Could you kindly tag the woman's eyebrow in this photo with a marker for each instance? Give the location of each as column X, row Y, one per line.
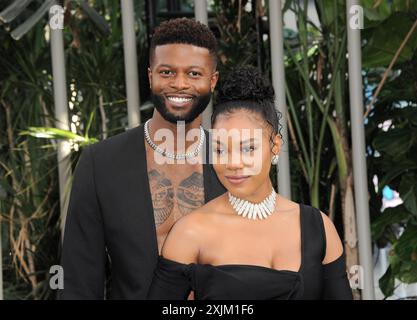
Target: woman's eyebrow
column 248, row 140
column 218, row 142
column 242, row 142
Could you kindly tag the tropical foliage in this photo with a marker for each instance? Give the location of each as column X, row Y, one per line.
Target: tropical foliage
column 29, row 207
column 317, row 99
column 391, row 132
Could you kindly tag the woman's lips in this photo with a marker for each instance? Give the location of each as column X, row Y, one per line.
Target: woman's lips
column 237, row 179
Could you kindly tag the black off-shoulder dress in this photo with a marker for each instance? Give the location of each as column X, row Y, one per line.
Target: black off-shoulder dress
column 174, row 281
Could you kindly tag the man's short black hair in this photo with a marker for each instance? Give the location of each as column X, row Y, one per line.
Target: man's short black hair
column 186, row 31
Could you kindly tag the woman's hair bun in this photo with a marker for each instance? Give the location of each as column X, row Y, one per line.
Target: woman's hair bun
column 245, row 83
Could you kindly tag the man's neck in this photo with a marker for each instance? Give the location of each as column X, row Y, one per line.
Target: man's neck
column 158, row 122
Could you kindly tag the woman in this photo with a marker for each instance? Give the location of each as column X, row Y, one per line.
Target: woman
column 250, row 243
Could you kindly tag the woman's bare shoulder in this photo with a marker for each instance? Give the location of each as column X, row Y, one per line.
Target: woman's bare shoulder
column 185, row 237
column 334, row 245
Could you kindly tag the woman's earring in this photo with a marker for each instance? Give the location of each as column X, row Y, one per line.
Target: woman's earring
column 275, row 159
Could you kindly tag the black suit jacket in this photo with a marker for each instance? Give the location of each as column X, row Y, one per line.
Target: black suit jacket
column 110, row 211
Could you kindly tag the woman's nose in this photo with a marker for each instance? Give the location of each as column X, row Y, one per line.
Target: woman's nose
column 234, row 161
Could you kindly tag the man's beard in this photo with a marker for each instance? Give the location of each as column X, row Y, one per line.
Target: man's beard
column 200, row 103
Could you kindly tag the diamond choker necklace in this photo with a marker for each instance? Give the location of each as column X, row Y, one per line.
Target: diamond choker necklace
column 176, row 156
column 251, row 210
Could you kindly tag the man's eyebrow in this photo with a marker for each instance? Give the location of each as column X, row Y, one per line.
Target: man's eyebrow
column 163, row 65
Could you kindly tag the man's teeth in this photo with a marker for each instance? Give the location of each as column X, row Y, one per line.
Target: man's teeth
column 179, row 99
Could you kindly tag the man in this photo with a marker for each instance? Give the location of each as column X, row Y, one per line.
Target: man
column 123, row 201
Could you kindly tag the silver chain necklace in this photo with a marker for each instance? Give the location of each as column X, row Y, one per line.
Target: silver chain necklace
column 176, row 156
column 251, row 210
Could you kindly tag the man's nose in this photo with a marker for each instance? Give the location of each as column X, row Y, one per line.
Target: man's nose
column 180, row 82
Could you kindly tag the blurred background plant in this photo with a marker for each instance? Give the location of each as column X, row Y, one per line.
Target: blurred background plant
column 317, row 99
column 390, row 64
column 28, row 167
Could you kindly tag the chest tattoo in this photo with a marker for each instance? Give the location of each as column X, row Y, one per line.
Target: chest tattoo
column 188, row 195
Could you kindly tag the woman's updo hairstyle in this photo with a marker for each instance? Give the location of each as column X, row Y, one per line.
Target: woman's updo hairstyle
column 246, row 88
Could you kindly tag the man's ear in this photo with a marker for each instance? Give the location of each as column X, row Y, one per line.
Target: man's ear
column 150, row 77
column 213, row 80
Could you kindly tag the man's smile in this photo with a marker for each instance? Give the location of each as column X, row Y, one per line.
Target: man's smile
column 179, row 100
